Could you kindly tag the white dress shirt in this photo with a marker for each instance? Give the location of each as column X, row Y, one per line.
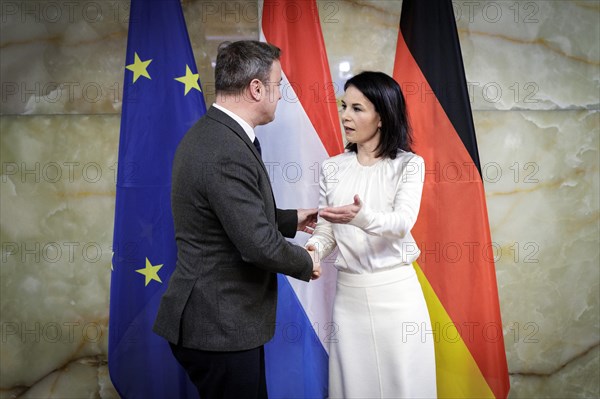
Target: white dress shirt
column 245, row 125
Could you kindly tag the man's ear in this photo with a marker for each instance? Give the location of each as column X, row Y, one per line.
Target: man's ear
column 256, row 89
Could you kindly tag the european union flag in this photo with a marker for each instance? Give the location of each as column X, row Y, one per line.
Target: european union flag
column 162, row 98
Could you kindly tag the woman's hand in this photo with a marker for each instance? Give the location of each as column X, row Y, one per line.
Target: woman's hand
column 342, row 214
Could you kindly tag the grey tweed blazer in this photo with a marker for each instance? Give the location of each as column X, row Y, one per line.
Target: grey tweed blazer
column 222, row 295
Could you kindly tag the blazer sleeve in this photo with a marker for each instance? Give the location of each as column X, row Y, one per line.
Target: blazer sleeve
column 239, row 203
column 287, row 222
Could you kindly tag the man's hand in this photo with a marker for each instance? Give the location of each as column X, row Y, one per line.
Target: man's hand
column 316, row 273
column 307, row 220
column 342, row 214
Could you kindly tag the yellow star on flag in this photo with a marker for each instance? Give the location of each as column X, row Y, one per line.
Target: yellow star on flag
column 190, row 80
column 150, row 272
column 139, row 68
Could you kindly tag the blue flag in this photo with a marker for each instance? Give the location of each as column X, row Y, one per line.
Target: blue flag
column 162, row 99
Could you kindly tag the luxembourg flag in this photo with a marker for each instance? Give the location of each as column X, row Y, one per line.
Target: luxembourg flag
column 306, row 131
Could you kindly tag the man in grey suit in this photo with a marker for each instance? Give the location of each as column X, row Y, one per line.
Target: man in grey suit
column 219, row 308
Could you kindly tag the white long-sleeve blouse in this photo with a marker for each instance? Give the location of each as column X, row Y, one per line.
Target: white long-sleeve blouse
column 379, row 235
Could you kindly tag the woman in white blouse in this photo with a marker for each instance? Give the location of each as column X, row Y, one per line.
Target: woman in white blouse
column 369, row 202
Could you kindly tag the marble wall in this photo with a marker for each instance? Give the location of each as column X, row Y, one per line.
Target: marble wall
column 533, row 69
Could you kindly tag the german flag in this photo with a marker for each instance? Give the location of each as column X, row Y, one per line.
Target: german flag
column 456, row 266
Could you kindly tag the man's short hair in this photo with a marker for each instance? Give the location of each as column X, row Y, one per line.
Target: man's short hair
column 238, row 63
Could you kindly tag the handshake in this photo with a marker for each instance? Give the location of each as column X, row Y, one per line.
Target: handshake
column 312, row 251
column 307, row 221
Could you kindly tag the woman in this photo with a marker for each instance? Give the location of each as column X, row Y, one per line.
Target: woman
column 369, row 201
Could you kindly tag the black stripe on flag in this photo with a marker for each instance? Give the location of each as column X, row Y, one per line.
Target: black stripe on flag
column 429, row 29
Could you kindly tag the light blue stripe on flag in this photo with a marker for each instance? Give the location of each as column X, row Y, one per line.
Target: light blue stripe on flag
column 297, row 365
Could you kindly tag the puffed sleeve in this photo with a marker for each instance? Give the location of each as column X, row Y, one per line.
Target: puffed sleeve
column 323, row 238
column 407, row 200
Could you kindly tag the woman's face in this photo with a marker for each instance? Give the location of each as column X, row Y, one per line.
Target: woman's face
column 361, row 121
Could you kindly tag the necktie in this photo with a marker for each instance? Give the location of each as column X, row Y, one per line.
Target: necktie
column 257, row 145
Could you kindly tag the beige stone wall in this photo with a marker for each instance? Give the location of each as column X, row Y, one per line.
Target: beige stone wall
column 533, row 69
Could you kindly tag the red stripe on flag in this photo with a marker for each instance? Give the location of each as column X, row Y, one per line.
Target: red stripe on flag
column 294, row 27
column 452, row 229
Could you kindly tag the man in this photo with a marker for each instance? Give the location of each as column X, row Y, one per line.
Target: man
column 219, row 308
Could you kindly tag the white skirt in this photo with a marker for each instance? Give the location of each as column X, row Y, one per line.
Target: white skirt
column 384, row 346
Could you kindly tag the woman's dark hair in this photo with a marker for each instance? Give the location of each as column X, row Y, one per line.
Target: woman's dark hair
column 386, row 95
